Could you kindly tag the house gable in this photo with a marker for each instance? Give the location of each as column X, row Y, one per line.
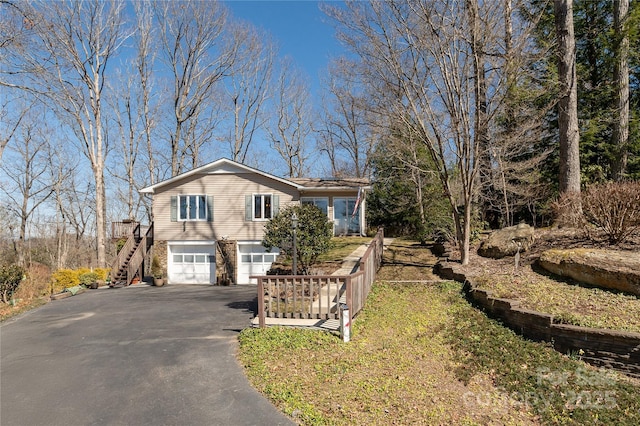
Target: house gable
column 222, row 166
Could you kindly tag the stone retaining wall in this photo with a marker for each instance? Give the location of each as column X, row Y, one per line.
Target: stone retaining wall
column 618, row 350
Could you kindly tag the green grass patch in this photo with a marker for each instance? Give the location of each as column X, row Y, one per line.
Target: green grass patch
column 342, row 247
column 561, row 389
column 422, row 355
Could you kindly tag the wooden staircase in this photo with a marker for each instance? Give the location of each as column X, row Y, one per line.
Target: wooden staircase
column 129, row 262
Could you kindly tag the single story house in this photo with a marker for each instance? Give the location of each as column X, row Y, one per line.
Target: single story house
column 208, row 223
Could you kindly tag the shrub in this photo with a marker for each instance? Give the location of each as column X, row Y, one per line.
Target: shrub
column 313, row 234
column 156, row 268
column 614, row 207
column 119, row 244
column 103, row 273
column 567, row 212
column 10, row 278
column 87, row 278
column 37, row 283
column 64, row 278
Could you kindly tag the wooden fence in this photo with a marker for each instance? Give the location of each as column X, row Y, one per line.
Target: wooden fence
column 319, row 297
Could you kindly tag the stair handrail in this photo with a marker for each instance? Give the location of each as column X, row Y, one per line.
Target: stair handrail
column 138, row 256
column 124, row 251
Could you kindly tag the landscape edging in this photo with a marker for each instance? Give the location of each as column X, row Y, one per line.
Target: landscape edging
column 618, row 350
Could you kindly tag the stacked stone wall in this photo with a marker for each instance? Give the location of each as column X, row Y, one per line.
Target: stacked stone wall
column 618, row 350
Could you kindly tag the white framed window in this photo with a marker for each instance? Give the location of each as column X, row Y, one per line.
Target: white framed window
column 192, row 207
column 320, row 202
column 262, row 206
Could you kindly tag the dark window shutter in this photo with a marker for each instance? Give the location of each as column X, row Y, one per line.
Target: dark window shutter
column 174, row 208
column 209, row 208
column 248, row 207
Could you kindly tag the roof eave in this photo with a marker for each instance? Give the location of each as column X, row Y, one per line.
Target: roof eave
column 334, row 189
column 152, row 189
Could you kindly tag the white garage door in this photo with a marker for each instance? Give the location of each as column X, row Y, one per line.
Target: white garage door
column 253, row 260
column 192, row 264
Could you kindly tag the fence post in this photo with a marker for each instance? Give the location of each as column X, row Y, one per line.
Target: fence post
column 349, row 298
column 261, row 319
column 345, row 322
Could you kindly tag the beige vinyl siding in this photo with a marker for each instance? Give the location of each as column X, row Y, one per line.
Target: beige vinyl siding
column 228, row 191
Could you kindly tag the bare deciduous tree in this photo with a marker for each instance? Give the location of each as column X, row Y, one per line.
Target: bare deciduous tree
column 76, row 40
column 198, row 56
column 16, row 28
column 432, row 79
column 61, row 168
column 514, row 152
column 344, row 134
column 11, row 121
column 126, row 119
column 143, row 62
column 248, row 87
column 28, row 173
column 291, row 126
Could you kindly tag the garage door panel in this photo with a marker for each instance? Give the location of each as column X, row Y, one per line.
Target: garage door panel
column 192, row 264
column 254, row 260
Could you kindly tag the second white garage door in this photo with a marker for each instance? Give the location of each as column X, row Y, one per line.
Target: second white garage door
column 253, row 259
column 192, row 264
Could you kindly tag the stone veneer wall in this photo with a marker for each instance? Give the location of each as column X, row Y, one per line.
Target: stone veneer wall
column 160, row 250
column 618, row 350
column 226, row 262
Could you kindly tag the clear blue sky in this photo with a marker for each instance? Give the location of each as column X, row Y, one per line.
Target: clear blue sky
column 298, row 26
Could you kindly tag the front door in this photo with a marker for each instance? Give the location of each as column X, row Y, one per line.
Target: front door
column 346, row 220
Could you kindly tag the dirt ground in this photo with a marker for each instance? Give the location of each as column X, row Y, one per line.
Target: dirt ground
column 545, row 239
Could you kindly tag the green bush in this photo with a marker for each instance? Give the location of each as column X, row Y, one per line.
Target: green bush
column 614, row 207
column 87, row 278
column 119, row 244
column 10, row 278
column 313, row 234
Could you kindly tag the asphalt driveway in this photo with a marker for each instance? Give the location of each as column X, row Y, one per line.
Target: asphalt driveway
column 139, row 355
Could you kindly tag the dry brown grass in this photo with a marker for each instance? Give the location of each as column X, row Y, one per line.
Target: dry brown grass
column 567, row 300
column 31, row 293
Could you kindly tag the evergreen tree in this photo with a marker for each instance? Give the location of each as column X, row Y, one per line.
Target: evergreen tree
column 407, row 196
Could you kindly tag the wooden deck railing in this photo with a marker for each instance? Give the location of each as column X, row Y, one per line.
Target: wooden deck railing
column 123, row 229
column 318, row 297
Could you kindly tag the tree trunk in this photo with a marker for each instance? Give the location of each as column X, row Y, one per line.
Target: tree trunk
column 621, row 125
column 481, row 134
column 569, row 178
column 101, row 223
